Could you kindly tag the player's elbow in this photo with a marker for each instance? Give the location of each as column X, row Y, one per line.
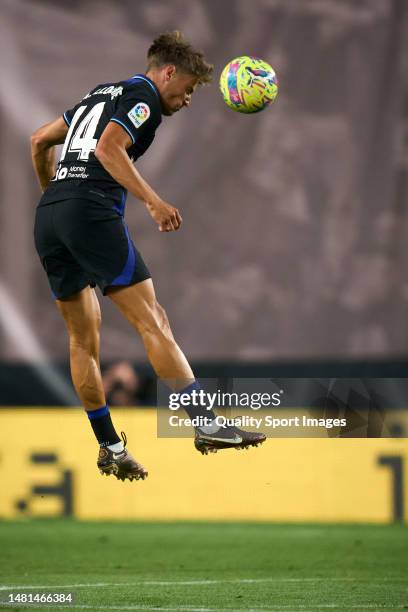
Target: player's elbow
column 38, row 141
column 35, row 140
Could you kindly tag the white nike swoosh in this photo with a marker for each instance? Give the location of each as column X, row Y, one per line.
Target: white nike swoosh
column 235, row 440
column 117, row 455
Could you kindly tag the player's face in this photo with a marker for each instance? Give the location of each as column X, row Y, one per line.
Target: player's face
column 176, row 92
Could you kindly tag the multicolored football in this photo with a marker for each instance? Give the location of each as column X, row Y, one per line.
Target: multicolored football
column 248, row 84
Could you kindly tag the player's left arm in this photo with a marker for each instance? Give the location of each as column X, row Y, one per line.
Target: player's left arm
column 43, row 143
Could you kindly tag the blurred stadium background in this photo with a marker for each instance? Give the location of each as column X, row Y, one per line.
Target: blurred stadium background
column 291, row 262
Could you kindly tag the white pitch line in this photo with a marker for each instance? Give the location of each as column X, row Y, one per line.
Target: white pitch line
column 188, row 582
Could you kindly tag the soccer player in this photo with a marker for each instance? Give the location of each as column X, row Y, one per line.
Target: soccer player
column 83, row 241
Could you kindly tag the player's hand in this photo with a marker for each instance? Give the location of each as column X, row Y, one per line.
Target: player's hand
column 166, row 216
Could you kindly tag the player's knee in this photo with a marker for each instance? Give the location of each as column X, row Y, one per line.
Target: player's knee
column 156, row 323
column 88, row 343
column 86, row 335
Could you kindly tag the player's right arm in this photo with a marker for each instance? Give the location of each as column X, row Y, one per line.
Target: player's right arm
column 111, row 151
column 43, row 143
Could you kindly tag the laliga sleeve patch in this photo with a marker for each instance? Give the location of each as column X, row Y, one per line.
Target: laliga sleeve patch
column 139, row 114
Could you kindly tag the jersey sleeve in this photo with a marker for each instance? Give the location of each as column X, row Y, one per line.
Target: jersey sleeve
column 136, row 113
column 68, row 114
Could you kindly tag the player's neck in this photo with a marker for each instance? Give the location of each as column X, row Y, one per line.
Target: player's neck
column 154, row 76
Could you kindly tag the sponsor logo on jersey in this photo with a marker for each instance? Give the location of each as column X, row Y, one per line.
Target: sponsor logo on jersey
column 76, row 172
column 139, row 114
column 112, row 90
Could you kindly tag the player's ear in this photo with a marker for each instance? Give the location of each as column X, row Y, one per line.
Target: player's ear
column 169, row 72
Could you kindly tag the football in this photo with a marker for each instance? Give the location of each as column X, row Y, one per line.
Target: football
column 248, row 84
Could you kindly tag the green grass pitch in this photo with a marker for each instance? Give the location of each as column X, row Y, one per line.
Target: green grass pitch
column 206, row 567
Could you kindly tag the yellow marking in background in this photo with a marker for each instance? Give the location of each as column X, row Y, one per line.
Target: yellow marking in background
column 284, row 480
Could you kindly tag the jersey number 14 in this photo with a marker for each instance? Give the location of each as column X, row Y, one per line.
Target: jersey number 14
column 81, row 139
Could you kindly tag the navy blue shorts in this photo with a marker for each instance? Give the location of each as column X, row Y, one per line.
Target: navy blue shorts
column 82, row 242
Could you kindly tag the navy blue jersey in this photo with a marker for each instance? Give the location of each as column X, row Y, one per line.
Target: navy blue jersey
column 133, row 104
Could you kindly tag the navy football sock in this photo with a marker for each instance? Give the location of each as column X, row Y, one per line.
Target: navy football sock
column 199, row 410
column 102, row 426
